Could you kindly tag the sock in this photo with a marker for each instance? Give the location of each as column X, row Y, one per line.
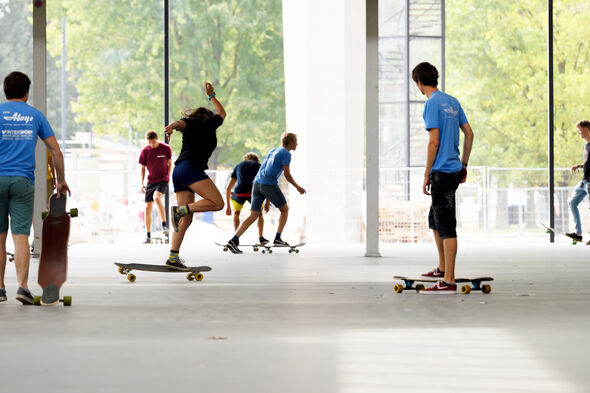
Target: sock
column 173, row 254
column 149, row 235
column 235, row 239
column 164, row 225
column 183, row 210
column 278, row 236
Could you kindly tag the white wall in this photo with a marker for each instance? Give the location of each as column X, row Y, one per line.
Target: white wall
column 324, row 43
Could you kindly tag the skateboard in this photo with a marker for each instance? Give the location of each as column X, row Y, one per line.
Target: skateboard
column 255, row 247
column 53, row 264
column 159, row 240
column 574, row 241
column 295, row 248
column 194, row 272
column 465, row 288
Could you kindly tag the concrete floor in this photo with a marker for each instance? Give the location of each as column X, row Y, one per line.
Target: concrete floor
column 325, row 320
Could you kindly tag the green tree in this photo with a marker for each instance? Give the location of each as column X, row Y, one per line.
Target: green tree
column 115, row 55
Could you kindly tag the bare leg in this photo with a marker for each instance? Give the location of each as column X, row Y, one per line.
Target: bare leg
column 183, row 198
column 158, row 198
column 2, row 258
column 236, row 219
column 260, row 224
column 450, row 246
column 441, row 251
column 283, row 218
column 21, row 258
column 212, row 199
column 247, row 222
column 148, row 216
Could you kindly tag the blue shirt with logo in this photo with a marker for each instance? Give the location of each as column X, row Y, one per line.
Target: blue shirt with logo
column 272, row 166
column 20, row 125
column 444, row 112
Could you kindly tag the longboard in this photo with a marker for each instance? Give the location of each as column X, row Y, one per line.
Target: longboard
column 465, row 289
column 548, row 229
column 194, row 272
column 53, row 263
column 295, row 248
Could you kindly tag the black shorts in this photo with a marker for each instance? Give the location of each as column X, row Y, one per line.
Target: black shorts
column 442, row 211
column 153, row 187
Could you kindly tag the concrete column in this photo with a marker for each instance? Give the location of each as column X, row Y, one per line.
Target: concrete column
column 372, row 126
column 40, row 102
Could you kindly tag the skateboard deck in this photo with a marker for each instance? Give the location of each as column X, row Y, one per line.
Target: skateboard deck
column 255, row 247
column 53, row 264
column 475, row 284
column 292, row 248
column 193, row 272
column 574, row 241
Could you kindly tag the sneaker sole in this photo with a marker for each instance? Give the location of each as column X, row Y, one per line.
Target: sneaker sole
column 437, row 292
column 3, row 299
column 24, row 300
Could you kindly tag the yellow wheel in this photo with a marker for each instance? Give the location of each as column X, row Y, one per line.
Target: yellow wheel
column 419, row 287
column 465, row 289
column 486, row 288
column 224, row 248
column 67, row 300
column 37, row 300
column 199, row 277
column 44, row 215
column 121, row 270
column 74, row 212
column 398, row 288
column 190, row 277
column 131, row 277
column 255, row 248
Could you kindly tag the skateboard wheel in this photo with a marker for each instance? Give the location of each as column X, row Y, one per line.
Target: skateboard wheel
column 547, row 231
column 44, row 215
column 74, row 212
column 296, row 251
column 397, row 288
column 419, row 287
column 67, row 300
column 263, row 251
column 290, row 251
column 255, row 248
column 486, row 288
column 37, row 300
column 224, row 248
column 190, row 277
column 270, row 251
column 121, row 270
column 465, row 289
column 131, row 277
column 199, row 276
column 574, row 242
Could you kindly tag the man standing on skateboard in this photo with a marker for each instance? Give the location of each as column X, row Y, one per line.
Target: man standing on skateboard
column 157, row 157
column 443, row 117
column 20, row 125
column 581, row 189
column 242, row 178
column 266, row 186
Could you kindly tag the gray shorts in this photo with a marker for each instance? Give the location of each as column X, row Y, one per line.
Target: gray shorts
column 260, row 192
column 17, row 198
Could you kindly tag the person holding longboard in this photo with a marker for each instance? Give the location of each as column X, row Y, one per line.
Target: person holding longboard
column 581, row 189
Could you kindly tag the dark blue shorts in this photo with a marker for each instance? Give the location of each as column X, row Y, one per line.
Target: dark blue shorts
column 260, row 192
column 442, row 216
column 185, row 174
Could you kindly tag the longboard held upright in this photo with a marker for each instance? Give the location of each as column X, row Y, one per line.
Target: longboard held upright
column 53, row 264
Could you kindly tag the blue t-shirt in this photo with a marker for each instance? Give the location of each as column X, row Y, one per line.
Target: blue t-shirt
column 444, row 112
column 20, row 125
column 272, row 166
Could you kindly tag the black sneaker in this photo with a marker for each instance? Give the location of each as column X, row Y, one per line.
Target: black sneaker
column 3, row 297
column 50, row 295
column 233, row 247
column 574, row 236
column 262, row 240
column 281, row 242
column 24, row 296
column 174, row 262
